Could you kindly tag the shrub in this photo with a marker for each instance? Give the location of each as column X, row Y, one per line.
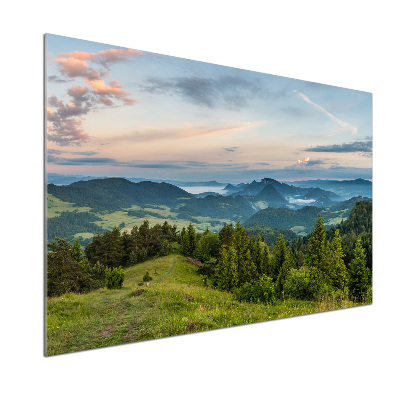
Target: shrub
column 147, row 277
column 114, row 278
column 268, row 289
column 298, row 285
column 261, row 290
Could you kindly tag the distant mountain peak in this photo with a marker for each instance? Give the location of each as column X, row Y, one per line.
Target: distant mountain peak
column 271, row 195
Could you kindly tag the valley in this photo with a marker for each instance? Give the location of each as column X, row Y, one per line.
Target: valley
column 108, row 202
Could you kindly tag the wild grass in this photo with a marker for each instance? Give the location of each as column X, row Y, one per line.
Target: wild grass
column 175, row 302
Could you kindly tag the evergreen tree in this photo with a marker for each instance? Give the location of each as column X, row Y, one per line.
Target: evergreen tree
column 316, row 255
column 185, row 244
column 226, row 272
column 246, row 268
column 144, row 235
column 279, row 257
column 337, row 269
column 192, row 239
column 106, row 248
column 265, row 260
column 358, row 274
column 226, row 235
column 283, row 272
column 76, row 251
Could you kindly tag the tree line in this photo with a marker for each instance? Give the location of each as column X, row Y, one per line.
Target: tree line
column 232, row 260
column 247, row 266
column 69, row 269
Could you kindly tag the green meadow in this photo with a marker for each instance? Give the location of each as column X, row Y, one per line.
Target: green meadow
column 176, row 301
column 107, row 220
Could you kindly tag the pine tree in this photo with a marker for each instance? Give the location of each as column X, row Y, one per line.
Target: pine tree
column 337, row 269
column 279, row 257
column 76, row 251
column 144, row 235
column 226, row 272
column 192, row 239
column 284, row 271
column 226, row 235
column 358, row 273
column 266, row 261
column 316, row 255
column 185, row 244
column 246, row 268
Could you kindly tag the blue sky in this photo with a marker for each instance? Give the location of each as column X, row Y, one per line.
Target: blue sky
column 123, row 112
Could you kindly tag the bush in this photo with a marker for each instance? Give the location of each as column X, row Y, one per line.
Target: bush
column 261, row 290
column 114, row 278
column 303, row 284
column 147, row 277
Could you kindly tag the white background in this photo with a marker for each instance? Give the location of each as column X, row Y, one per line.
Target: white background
column 349, row 354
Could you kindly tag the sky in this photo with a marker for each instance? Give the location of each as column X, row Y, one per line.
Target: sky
column 113, row 111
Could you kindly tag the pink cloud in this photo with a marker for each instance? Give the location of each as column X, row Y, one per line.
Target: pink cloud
column 106, row 101
column 114, row 55
column 66, row 117
column 65, row 130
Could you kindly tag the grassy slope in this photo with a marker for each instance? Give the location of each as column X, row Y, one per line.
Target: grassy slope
column 56, row 206
column 175, row 302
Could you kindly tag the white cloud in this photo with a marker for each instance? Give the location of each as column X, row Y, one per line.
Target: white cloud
column 343, row 124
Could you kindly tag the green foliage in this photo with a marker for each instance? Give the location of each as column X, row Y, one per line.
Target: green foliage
column 147, row 277
column 114, row 278
column 98, row 319
column 279, row 257
column 207, row 247
column 192, row 239
column 358, row 274
column 245, row 265
column 359, row 224
column 106, row 248
column 97, row 273
column 113, row 248
column 260, row 290
column 185, row 242
column 316, row 256
column 65, row 274
column 76, row 251
column 226, row 272
column 226, row 235
column 283, row 272
column 269, row 233
column 298, row 285
column 337, row 272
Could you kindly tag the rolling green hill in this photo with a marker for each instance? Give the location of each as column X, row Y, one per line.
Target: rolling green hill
column 302, row 220
column 223, row 207
column 175, row 302
column 118, row 193
column 284, row 218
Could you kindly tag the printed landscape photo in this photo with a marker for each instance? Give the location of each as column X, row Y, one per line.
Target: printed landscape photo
column 185, row 196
